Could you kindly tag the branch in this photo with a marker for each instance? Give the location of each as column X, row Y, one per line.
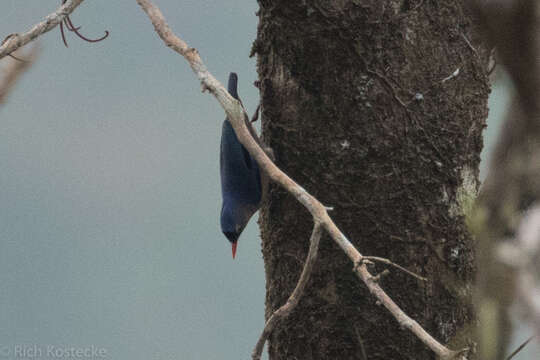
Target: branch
column 15, row 41
column 235, row 114
column 388, row 262
column 13, row 71
column 296, row 295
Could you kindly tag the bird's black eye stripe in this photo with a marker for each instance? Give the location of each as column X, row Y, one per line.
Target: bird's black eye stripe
column 231, row 236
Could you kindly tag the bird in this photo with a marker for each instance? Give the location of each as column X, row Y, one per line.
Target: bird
column 241, row 187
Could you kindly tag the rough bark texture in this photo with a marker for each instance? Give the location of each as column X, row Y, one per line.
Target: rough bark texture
column 355, row 108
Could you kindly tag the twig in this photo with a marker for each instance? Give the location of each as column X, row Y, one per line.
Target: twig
column 361, row 343
column 236, row 116
column 15, row 41
column 296, row 295
column 69, row 26
column 13, row 71
column 388, row 262
column 389, row 85
column 493, row 59
column 385, row 80
column 15, row 58
column 469, row 44
column 520, row 347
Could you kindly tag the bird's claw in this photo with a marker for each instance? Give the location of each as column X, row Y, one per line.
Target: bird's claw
column 255, row 116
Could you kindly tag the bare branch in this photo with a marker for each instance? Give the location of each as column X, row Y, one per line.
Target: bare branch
column 388, row 262
column 15, row 41
column 14, row 69
column 296, row 295
column 236, row 116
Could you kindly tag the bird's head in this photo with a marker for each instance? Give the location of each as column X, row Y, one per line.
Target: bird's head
column 234, row 218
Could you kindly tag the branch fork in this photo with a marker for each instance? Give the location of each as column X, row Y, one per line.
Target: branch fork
column 236, row 115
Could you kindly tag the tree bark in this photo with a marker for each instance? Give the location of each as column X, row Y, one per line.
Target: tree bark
column 362, row 105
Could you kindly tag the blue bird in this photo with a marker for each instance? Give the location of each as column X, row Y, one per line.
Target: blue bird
column 241, row 187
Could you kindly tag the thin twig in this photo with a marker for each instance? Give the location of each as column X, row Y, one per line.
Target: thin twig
column 296, row 295
column 15, row 41
column 361, row 343
column 467, row 41
column 236, row 115
column 493, row 59
column 389, row 85
column 520, row 347
column 388, row 262
column 69, row 25
column 15, row 58
column 386, row 82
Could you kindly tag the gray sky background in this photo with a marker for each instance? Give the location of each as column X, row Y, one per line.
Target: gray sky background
column 109, row 188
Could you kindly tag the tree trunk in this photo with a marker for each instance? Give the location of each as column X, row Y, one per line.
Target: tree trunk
column 377, row 109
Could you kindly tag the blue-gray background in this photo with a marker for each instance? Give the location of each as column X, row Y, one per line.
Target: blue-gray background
column 109, row 188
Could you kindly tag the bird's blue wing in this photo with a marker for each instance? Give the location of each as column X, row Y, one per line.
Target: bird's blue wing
column 240, row 177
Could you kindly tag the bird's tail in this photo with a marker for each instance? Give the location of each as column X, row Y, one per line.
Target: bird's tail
column 233, row 85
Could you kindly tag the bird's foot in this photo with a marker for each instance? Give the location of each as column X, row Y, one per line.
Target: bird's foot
column 255, row 116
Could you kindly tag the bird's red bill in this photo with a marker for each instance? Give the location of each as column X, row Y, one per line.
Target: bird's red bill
column 233, row 245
